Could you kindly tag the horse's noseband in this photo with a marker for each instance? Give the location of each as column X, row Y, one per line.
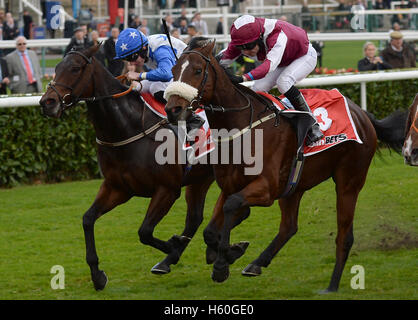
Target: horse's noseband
column 53, row 84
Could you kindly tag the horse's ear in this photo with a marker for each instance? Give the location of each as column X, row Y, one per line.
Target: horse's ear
column 91, row 51
column 209, row 48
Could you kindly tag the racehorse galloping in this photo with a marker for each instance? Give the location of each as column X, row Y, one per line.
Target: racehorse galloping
column 410, row 149
column 130, row 169
column 201, row 77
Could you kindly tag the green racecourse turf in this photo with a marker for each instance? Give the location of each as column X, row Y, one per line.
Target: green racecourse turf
column 40, row 226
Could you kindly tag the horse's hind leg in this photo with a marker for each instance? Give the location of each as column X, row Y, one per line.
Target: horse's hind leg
column 288, row 227
column 212, row 235
column 106, row 200
column 195, row 198
column 348, row 189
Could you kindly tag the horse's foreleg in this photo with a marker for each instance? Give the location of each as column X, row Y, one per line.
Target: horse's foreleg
column 161, row 202
column 106, row 200
column 288, row 227
column 195, row 198
column 255, row 193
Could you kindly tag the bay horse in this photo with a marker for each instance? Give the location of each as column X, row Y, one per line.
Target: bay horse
column 410, row 148
column 235, row 106
column 126, row 156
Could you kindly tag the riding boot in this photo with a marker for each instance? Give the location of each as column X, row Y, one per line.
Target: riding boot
column 300, row 104
column 194, row 122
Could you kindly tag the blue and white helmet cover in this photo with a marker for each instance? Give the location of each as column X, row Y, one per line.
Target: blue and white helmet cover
column 130, row 41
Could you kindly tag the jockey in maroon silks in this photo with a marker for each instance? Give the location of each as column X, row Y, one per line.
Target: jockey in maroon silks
column 285, row 52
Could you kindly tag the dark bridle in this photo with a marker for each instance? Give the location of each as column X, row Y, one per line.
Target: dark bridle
column 222, row 109
column 76, row 99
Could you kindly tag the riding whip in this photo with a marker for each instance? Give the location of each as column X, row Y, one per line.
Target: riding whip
column 168, row 36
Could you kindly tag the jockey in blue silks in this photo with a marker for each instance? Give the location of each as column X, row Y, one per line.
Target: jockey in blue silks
column 157, row 55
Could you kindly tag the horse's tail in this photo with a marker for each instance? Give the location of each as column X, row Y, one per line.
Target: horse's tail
column 391, row 130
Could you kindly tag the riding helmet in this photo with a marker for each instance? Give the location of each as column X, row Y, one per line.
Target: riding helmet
column 130, row 41
column 246, row 29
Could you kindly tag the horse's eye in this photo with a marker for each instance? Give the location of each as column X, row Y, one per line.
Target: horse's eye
column 198, row 71
column 75, row 69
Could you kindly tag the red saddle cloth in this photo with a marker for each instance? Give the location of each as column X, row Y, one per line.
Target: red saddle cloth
column 332, row 113
column 203, row 142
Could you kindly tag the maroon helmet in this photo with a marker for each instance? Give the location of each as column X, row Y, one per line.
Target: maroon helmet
column 246, row 29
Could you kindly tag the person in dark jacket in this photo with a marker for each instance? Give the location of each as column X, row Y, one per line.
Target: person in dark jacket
column 398, row 53
column 10, row 31
column 27, row 24
column 78, row 41
column 4, row 76
column 114, row 66
column 371, row 61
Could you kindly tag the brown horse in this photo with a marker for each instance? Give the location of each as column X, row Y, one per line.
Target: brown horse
column 129, row 169
column 201, row 77
column 410, row 148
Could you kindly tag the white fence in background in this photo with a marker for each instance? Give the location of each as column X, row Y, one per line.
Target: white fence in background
column 26, row 101
column 340, row 36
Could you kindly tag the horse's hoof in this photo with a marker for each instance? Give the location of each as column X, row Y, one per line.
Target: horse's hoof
column 100, row 281
column 160, row 268
column 237, row 250
column 326, row 291
column 251, row 270
column 211, row 255
column 220, row 275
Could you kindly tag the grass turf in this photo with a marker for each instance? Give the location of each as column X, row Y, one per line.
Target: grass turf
column 40, row 226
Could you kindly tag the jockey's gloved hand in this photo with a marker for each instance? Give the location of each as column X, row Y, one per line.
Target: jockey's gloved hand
column 234, row 78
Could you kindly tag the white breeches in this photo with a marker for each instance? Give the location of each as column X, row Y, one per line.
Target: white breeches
column 153, row 86
column 285, row 77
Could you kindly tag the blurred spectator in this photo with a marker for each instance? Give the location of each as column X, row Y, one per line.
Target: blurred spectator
column 192, row 32
column 179, row 4
column 371, row 61
column 412, row 4
column 175, row 33
column 94, row 42
column 162, row 4
column 379, row 5
column 201, row 25
column 2, row 19
column 306, row 18
column 78, row 41
column 387, row 3
column 144, row 27
column 10, row 30
column 397, row 53
column 183, row 27
column 283, row 18
column 27, row 24
column 219, row 26
column 24, row 69
column 341, row 20
column 4, row 76
column 169, row 21
column 135, row 23
column 114, row 66
column 182, row 17
column 318, row 45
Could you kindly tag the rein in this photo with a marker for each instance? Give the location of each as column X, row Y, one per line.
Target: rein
column 73, row 101
column 413, row 126
column 211, row 107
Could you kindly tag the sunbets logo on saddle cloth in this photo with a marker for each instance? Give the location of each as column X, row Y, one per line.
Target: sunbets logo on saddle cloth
column 203, row 143
column 331, row 111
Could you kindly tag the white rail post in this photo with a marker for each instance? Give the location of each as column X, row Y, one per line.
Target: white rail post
column 363, row 92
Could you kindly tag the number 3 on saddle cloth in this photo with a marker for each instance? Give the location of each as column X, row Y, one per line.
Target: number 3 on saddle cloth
column 196, row 145
column 331, row 111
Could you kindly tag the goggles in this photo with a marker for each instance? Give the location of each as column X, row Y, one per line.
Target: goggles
column 247, row 46
column 134, row 56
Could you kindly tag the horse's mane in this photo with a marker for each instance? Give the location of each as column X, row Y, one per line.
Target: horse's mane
column 198, row 42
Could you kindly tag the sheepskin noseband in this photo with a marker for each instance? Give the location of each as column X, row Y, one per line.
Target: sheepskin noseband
column 181, row 89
